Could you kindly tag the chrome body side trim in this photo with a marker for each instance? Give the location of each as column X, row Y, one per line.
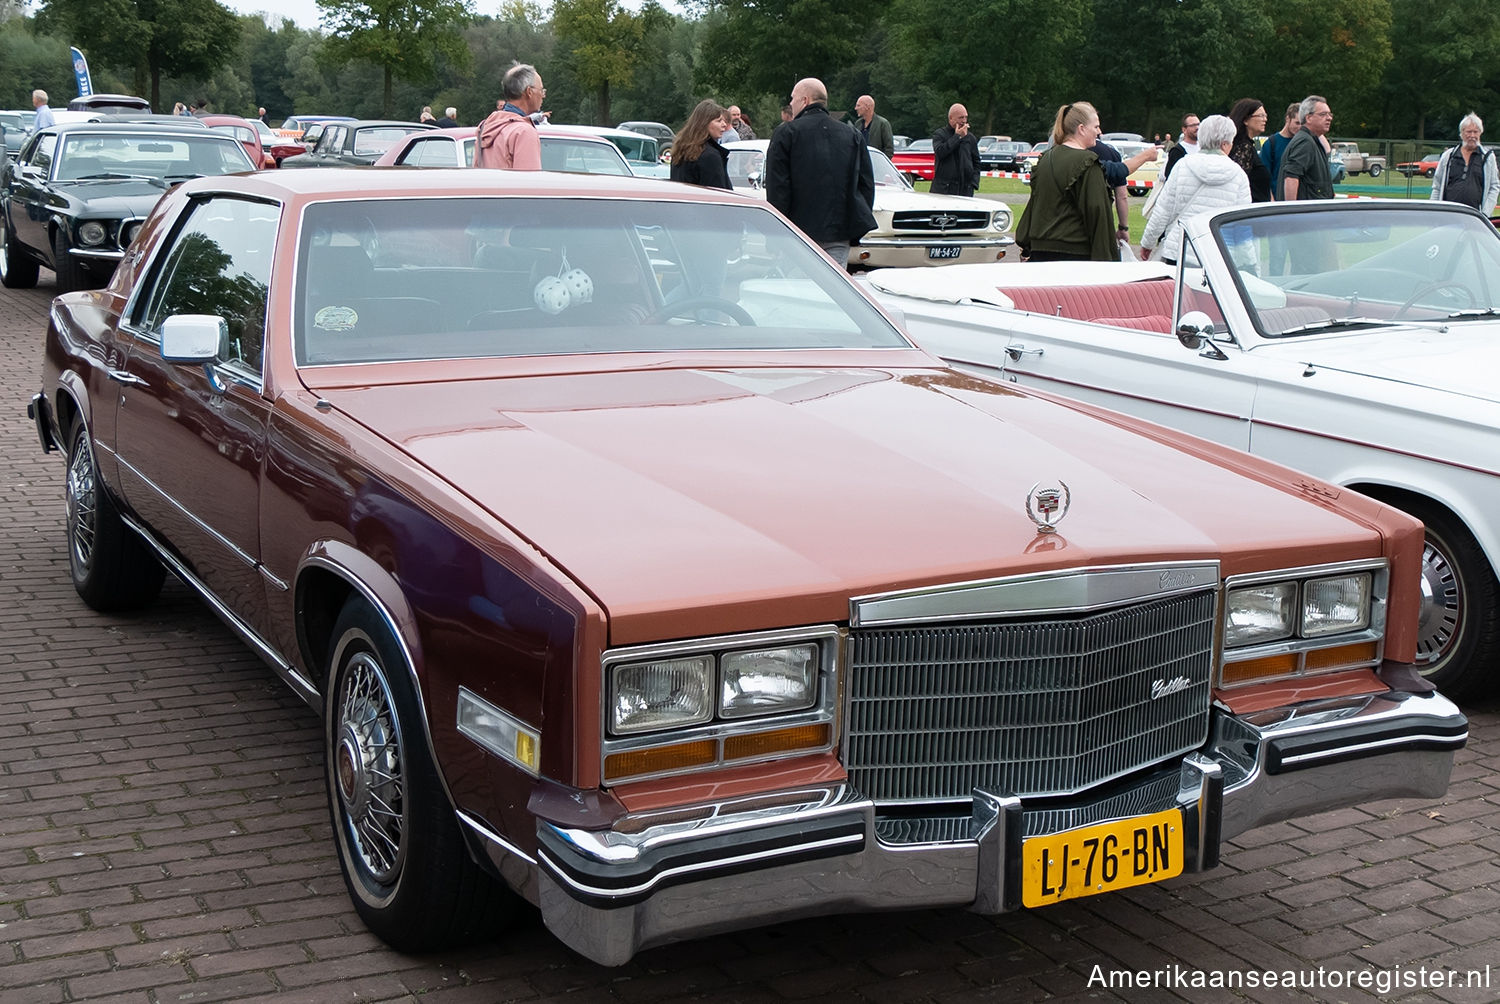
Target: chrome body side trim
column 658, row 877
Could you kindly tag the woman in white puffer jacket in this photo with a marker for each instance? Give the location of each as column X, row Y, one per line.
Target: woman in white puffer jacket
column 1200, row 182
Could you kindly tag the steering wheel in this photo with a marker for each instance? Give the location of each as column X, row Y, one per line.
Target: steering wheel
column 680, row 307
column 1433, row 287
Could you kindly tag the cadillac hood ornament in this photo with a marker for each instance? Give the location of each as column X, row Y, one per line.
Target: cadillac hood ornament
column 1047, row 506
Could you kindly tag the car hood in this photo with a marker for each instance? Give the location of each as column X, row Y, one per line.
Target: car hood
column 689, row 501
column 893, row 200
column 1462, row 360
column 113, row 196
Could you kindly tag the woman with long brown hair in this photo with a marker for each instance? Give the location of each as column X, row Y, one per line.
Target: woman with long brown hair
column 697, row 157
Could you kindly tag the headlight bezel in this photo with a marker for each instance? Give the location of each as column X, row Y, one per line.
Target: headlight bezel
column 1296, row 653
column 92, row 233
column 818, row 712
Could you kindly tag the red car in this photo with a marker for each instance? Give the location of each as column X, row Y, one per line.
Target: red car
column 246, row 133
column 1426, row 167
column 916, row 161
column 642, row 569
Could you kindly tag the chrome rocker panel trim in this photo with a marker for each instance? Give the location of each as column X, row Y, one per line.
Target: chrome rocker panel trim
column 661, row 877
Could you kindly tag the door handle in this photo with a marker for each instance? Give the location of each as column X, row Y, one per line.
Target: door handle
column 125, row 377
column 1017, row 351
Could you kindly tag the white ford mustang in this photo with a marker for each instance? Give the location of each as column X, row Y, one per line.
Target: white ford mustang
column 912, row 228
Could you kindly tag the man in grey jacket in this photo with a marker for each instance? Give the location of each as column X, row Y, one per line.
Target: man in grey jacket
column 1467, row 173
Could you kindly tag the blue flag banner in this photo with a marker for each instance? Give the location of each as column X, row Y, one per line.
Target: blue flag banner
column 81, row 71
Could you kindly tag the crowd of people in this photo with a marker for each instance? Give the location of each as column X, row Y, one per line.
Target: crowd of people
column 1078, row 210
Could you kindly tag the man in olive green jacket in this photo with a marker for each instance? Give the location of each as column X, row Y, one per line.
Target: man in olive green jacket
column 875, row 129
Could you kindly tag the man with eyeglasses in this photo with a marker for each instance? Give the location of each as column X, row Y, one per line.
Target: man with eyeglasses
column 508, row 138
column 1187, row 143
column 1304, row 172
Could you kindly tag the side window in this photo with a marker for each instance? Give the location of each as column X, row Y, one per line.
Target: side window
column 332, row 140
column 41, row 154
column 220, row 263
column 438, row 152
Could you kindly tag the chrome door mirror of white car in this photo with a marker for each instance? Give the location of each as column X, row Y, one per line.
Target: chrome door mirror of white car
column 194, row 338
column 1196, row 331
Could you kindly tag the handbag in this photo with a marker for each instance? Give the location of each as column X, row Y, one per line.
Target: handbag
column 861, row 218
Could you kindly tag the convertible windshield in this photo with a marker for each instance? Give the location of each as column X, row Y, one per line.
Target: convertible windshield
column 1301, row 273
column 144, row 155
column 395, row 279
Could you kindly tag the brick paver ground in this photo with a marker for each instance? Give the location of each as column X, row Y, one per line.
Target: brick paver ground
column 163, row 838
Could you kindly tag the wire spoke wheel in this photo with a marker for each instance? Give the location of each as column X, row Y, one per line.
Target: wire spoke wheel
column 369, row 771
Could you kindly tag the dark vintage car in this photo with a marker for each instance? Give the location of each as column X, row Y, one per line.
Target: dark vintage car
column 352, row 144
column 642, row 569
column 1001, row 154
column 76, row 194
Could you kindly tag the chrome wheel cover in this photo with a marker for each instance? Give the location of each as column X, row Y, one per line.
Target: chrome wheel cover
column 82, row 505
column 368, row 770
column 1442, row 610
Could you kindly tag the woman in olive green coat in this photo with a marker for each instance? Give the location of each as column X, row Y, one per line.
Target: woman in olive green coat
column 1068, row 215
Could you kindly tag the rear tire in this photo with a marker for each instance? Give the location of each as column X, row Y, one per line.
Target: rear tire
column 112, row 568
column 69, row 274
column 1375, row 170
column 404, row 860
column 1458, row 640
column 17, row 270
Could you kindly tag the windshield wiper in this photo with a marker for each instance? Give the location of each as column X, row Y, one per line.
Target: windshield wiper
column 1337, row 322
column 1475, row 312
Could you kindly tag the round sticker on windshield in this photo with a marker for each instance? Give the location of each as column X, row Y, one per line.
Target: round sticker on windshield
column 1433, row 251
column 336, row 319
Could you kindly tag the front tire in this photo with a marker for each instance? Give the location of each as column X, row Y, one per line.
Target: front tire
column 1458, row 640
column 112, row 568
column 404, row 861
column 17, row 271
column 69, row 274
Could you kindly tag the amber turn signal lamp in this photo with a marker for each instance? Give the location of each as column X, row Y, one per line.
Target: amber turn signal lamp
column 1362, row 654
column 659, row 758
column 1252, row 670
column 777, row 741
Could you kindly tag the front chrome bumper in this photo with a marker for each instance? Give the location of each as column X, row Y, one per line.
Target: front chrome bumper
column 665, row 876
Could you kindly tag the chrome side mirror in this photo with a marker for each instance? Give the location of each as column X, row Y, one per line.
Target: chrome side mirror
column 1195, row 331
column 194, row 338
column 755, row 179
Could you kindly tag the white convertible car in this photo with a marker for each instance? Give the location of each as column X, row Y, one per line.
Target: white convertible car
column 912, row 227
column 1358, row 341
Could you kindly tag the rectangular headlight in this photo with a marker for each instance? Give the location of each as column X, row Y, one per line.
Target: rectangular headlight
column 664, row 694
column 1258, row 614
column 1335, row 605
column 768, row 680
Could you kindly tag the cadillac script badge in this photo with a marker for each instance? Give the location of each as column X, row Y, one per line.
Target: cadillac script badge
column 1047, row 506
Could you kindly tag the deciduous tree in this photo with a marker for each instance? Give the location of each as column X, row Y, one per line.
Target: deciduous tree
column 402, row 37
column 602, row 42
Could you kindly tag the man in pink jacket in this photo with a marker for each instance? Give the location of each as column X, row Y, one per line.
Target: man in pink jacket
column 508, row 138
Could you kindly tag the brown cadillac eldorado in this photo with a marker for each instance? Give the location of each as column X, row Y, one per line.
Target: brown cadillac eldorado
column 642, row 569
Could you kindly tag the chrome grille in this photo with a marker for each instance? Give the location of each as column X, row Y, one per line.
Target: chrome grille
column 1035, row 707
column 939, row 221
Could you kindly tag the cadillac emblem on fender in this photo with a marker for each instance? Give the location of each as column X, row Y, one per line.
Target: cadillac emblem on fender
column 1047, row 506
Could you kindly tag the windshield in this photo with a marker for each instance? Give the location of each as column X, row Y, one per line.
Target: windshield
column 1311, row 271
column 885, row 172
column 379, row 139
column 143, row 155
column 391, row 279
column 641, row 148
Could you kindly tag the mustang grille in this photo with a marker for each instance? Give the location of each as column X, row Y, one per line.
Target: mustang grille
column 1035, row 707
column 939, row 221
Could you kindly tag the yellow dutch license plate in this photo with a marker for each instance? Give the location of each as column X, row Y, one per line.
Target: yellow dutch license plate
column 1095, row 859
